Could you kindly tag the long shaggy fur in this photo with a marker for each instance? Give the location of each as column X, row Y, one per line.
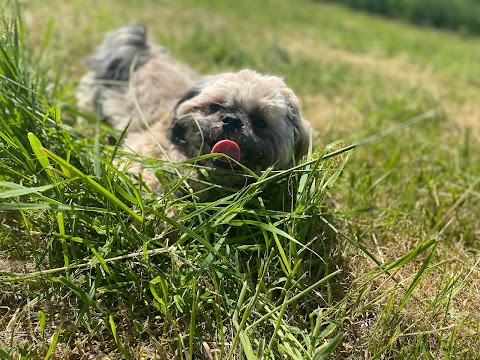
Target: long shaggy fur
column 134, row 82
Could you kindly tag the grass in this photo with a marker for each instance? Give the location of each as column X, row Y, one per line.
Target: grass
column 370, row 254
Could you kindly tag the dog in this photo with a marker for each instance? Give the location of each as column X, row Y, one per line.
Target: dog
column 173, row 114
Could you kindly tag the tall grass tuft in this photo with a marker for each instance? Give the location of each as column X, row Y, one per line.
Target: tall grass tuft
column 95, row 266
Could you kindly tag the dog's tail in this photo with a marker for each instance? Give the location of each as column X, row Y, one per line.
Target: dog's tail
column 122, row 51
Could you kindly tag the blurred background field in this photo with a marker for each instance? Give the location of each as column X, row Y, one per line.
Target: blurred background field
column 409, row 202
column 458, row 15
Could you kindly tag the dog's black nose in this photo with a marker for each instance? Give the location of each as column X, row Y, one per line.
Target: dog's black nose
column 231, row 123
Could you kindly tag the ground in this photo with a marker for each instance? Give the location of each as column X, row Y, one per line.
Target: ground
column 407, row 206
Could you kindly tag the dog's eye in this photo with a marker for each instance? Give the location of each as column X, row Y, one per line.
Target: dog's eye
column 259, row 122
column 215, row 107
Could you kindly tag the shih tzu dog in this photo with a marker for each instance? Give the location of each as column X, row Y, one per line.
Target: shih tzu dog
column 174, row 115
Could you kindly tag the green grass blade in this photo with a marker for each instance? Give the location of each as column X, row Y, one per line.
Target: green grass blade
column 50, row 206
column 81, row 294
column 41, row 322
column 160, row 296
column 107, row 194
column 119, row 344
column 19, row 190
column 325, row 351
column 294, row 298
column 53, row 344
column 193, row 316
column 41, row 157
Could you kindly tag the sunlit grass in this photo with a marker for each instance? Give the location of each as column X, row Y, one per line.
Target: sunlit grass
column 363, row 255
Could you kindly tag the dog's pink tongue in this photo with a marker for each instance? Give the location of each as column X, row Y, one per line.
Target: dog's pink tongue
column 227, row 147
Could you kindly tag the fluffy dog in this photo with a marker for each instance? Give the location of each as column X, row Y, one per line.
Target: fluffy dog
column 173, row 114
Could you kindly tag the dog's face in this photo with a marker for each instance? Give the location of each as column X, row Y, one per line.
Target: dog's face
column 259, row 113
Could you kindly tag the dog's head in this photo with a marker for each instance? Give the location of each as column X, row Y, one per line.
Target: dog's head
column 258, row 113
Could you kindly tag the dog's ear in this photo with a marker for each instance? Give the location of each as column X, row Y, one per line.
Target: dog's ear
column 301, row 130
column 189, row 94
column 195, row 90
column 178, row 129
column 301, row 137
column 301, row 127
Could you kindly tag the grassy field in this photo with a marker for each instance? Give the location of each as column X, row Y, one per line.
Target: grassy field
column 368, row 254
